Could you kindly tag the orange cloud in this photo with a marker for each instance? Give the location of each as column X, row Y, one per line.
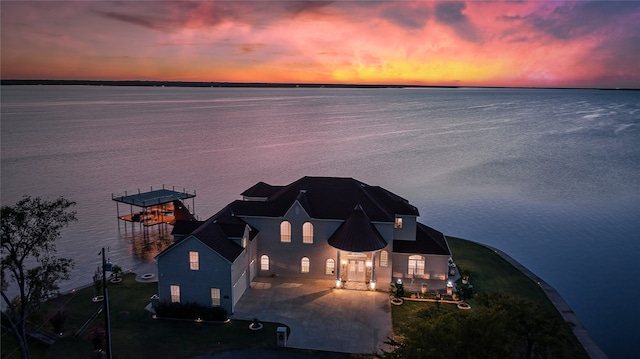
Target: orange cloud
column 528, row 43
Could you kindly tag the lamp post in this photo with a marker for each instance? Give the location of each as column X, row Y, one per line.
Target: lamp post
column 105, row 293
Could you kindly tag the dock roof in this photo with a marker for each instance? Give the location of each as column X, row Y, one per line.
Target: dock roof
column 154, row 197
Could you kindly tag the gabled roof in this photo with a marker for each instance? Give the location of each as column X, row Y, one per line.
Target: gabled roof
column 357, row 234
column 324, row 198
column 212, row 235
column 216, row 233
column 428, row 241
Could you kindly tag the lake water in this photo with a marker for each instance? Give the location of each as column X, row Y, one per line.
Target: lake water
column 552, row 177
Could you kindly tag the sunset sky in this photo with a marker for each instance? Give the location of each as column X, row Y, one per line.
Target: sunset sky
column 463, row 43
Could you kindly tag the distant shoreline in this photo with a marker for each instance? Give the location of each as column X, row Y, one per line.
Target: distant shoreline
column 156, row 83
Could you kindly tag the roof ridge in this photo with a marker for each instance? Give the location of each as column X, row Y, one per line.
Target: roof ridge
column 363, row 187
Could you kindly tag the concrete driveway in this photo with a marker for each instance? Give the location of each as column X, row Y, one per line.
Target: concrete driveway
column 320, row 317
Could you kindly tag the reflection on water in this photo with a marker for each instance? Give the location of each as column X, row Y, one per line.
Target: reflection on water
column 146, row 242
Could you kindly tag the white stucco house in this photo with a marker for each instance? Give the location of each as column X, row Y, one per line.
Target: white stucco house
column 316, row 227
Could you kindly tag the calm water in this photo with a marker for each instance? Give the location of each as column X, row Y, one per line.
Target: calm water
column 549, row 176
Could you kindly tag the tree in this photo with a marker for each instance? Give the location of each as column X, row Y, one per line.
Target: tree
column 29, row 231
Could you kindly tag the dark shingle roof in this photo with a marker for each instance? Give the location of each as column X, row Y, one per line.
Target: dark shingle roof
column 357, row 234
column 261, row 190
column 324, row 198
column 184, row 228
column 216, row 233
column 428, row 241
column 211, row 234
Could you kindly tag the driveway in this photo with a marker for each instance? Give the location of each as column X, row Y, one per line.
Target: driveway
column 320, row 316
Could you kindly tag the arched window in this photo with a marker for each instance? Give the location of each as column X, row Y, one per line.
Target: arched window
column 304, row 265
column 307, row 232
column 285, row 231
column 330, row 267
column 264, row 262
column 384, row 259
column 416, row 265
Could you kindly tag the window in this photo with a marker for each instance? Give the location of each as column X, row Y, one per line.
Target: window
column 264, row 262
column 330, row 267
column 194, row 263
column 215, row 297
column 285, row 231
column 398, row 223
column 384, row 259
column 175, row 294
column 416, row 265
column 307, row 232
column 304, row 265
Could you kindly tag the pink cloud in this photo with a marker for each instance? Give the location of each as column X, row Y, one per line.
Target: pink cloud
column 528, row 43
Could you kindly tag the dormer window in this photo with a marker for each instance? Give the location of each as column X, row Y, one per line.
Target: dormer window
column 398, row 223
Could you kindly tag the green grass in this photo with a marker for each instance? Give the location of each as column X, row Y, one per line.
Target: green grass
column 135, row 334
column 489, row 273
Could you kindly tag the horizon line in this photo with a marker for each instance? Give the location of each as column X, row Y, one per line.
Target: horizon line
column 181, row 83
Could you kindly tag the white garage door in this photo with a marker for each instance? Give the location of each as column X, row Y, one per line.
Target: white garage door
column 239, row 287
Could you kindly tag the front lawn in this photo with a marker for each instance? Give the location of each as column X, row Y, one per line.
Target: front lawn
column 135, row 334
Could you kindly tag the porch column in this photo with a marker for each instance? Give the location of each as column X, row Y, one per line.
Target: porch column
column 373, row 270
column 338, row 267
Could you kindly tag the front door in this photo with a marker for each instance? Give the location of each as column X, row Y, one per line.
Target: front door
column 356, row 270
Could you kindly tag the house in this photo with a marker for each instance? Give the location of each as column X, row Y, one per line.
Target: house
column 316, row 227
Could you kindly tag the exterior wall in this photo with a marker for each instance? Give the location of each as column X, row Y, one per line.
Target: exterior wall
column 436, row 270
column 195, row 285
column 383, row 274
column 408, row 230
column 285, row 258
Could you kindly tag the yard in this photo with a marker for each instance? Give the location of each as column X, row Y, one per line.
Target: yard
column 489, row 273
column 136, row 334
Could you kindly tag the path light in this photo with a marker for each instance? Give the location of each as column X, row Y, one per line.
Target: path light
column 373, row 284
column 399, row 281
column 338, row 283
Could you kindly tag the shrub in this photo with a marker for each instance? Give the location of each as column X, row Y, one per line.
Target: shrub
column 96, row 336
column 190, row 311
column 58, row 320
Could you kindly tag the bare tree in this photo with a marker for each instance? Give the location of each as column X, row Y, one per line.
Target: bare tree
column 29, row 231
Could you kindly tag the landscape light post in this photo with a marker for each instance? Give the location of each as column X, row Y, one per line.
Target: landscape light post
column 105, row 293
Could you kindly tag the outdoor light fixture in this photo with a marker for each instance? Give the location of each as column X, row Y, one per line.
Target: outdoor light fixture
column 338, row 283
column 373, row 284
column 399, row 281
column 368, row 264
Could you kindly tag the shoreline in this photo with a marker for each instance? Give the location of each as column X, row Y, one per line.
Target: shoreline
column 590, row 346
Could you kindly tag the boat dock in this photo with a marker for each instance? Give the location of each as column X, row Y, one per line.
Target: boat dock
column 155, row 207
